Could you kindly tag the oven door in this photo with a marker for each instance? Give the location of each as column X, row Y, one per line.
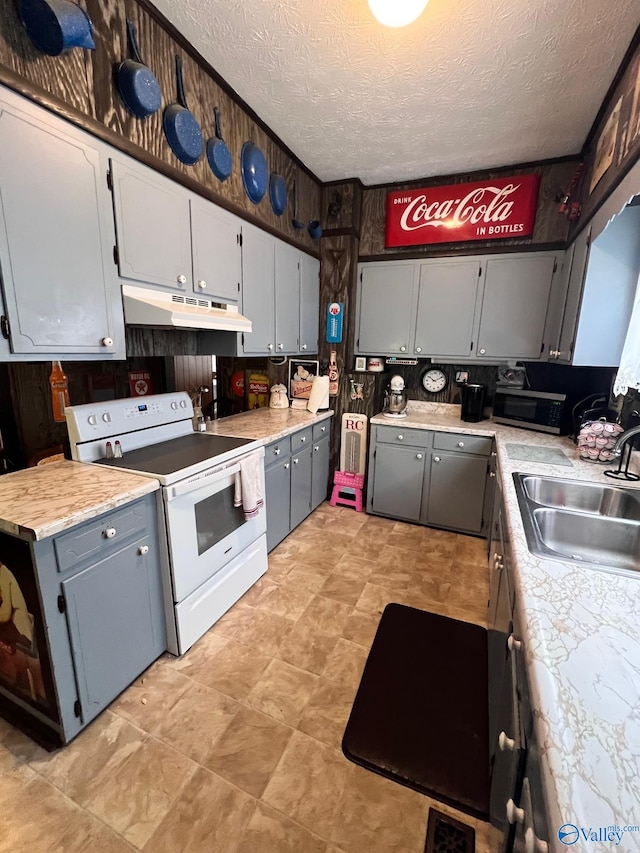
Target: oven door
column 205, row 530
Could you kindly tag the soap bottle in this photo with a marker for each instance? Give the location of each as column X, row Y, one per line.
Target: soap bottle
column 59, row 391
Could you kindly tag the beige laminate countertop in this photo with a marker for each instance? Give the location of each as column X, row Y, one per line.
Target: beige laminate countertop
column 266, row 424
column 38, row 502
column 581, row 630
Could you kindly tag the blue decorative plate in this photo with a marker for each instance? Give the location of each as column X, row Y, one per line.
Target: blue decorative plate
column 255, row 174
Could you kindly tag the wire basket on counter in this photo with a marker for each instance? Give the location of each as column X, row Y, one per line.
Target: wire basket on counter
column 596, row 440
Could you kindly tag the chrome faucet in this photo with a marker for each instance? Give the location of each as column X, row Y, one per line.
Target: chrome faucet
column 617, row 447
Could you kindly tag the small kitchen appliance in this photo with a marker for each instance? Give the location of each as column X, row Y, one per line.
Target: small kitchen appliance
column 396, row 399
column 538, row 410
column 472, row 402
column 214, row 553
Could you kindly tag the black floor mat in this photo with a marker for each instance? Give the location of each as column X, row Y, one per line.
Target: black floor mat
column 447, row 835
column 420, row 716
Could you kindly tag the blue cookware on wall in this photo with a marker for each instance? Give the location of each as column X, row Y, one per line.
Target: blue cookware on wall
column 137, row 84
column 255, row 174
column 181, row 127
column 277, row 194
column 218, row 153
column 55, row 26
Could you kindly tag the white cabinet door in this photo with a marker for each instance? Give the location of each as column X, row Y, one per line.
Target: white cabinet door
column 258, row 290
column 309, row 303
column 287, row 274
column 153, row 228
column 217, row 256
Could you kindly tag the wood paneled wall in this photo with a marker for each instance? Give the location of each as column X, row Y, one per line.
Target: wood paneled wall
column 79, row 85
column 551, row 229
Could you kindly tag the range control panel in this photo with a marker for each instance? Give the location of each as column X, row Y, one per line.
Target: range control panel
column 114, row 417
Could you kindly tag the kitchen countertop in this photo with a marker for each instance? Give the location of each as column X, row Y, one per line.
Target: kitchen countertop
column 266, row 424
column 581, row 631
column 38, row 502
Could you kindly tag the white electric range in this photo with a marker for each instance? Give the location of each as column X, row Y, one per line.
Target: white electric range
column 214, row 554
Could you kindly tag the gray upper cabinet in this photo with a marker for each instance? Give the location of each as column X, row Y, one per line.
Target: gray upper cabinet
column 216, row 250
column 287, row 297
column 258, row 289
column 309, row 303
column 514, row 306
column 576, row 260
column 386, row 308
column 59, row 281
column 446, row 308
column 153, row 230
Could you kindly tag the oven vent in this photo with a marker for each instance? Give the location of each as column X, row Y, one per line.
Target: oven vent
column 143, row 307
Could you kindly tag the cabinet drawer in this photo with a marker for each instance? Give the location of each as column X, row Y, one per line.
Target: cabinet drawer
column 276, row 451
column 398, row 435
column 301, row 439
column 463, row 443
column 109, row 531
column 321, row 430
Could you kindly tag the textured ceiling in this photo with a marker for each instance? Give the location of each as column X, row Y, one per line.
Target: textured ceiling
column 472, row 84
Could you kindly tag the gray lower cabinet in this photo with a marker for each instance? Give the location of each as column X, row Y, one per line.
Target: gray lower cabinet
column 296, row 479
column 59, row 281
column 100, row 621
column 433, row 478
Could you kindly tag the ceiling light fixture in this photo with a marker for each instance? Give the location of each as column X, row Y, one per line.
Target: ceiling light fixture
column 397, row 13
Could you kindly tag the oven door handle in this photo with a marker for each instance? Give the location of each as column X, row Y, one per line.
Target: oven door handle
column 199, row 481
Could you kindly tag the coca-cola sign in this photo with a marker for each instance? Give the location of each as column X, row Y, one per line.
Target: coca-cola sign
column 485, row 210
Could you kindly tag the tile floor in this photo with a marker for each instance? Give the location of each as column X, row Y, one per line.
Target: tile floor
column 235, row 748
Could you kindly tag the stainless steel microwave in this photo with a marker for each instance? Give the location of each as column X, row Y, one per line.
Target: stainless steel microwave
column 539, row 410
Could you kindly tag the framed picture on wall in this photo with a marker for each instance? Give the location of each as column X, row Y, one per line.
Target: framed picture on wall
column 361, row 363
column 301, row 375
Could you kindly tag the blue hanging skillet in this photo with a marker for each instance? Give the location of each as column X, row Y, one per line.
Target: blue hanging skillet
column 181, row 127
column 277, row 194
column 218, row 153
column 136, row 83
column 255, row 174
column 55, row 26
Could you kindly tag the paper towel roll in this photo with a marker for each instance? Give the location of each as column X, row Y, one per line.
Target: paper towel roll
column 319, row 397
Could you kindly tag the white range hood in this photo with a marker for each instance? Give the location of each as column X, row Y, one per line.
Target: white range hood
column 144, row 307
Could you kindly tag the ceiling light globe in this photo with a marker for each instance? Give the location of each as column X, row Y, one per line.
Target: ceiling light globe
column 397, row 13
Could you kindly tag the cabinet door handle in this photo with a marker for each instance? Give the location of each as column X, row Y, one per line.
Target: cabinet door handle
column 317, row 447
column 303, row 438
column 295, row 461
column 461, row 444
column 436, row 458
column 498, row 564
column 182, row 279
column 514, row 814
column 400, row 437
column 269, row 347
column 418, row 455
column 303, row 347
column 107, row 342
column 110, row 532
column 505, row 742
column 276, row 451
column 403, row 349
column 514, row 645
column 286, row 466
column 322, row 429
column 202, row 284
column 143, row 549
column 533, row 844
column 418, row 349
column 493, row 454
column 554, row 353
column 482, row 351
column 492, row 473
column 280, row 346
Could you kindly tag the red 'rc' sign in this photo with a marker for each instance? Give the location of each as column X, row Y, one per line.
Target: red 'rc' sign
column 486, row 210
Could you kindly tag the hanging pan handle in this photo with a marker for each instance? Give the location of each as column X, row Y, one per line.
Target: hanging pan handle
column 181, row 98
column 133, row 41
column 216, row 120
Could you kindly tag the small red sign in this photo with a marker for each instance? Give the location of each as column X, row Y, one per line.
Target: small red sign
column 485, row 210
column 140, row 383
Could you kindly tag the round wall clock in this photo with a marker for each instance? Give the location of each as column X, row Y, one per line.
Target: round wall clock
column 434, row 380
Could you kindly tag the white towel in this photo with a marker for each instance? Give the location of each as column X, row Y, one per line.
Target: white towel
column 248, row 486
column 319, row 397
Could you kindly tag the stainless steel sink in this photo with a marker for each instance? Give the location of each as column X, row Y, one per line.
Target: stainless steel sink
column 585, row 523
column 584, row 497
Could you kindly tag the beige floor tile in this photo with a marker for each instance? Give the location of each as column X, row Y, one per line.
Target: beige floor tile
column 196, row 721
column 87, row 833
column 379, row 816
column 287, row 601
column 342, row 588
column 258, row 592
column 209, row 815
column 354, row 566
column 200, row 655
column 234, row 670
column 395, row 558
column 21, row 747
column 345, row 663
column 366, row 548
column 262, row 630
column 361, row 628
column 135, row 798
column 279, row 567
column 306, row 648
column 80, row 768
column 395, row 579
column 326, row 615
column 150, row 697
column 326, row 715
column 305, row 577
column 271, row 832
column 308, row 783
column 249, row 750
column 431, row 588
column 282, row 692
column 374, row 599
column 471, row 549
column 435, row 564
column 226, row 625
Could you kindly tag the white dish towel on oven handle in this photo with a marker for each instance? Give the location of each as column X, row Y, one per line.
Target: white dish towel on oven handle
column 248, row 486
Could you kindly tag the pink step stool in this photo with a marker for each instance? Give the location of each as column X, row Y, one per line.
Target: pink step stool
column 347, row 480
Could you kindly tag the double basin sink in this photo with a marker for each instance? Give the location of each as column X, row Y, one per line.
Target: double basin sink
column 588, row 523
